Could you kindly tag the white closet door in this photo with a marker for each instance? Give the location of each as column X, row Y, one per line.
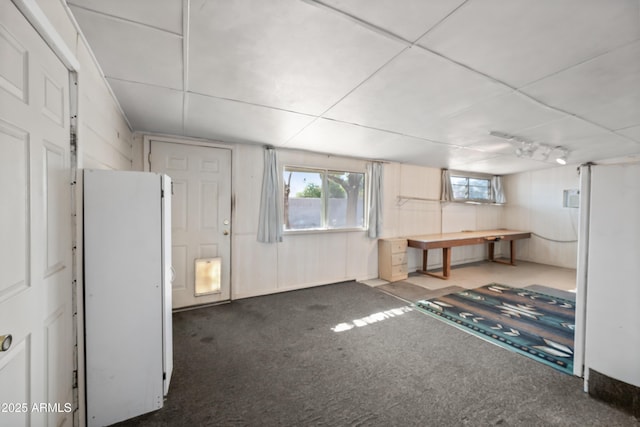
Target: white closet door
column 35, row 225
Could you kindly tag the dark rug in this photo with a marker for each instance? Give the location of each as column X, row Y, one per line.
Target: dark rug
column 535, row 324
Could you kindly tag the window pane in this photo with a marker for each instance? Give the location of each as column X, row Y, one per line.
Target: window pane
column 479, row 188
column 459, row 180
column 460, row 187
column 302, row 199
column 346, row 200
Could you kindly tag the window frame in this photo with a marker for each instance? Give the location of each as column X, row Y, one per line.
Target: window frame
column 324, row 203
column 468, row 176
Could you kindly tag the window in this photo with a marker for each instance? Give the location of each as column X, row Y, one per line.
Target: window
column 471, row 188
column 321, row 199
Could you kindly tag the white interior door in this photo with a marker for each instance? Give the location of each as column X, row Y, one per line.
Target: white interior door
column 200, row 215
column 35, row 228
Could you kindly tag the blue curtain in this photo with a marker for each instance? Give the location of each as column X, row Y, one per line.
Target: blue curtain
column 375, row 199
column 270, row 221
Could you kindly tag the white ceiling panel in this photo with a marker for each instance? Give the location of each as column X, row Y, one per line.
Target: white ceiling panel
column 415, row 89
column 592, row 149
column 163, row 107
column 283, row 53
column 504, row 113
column 605, row 89
column 330, row 136
column 501, row 165
column 408, row 19
column 234, row 121
column 520, row 41
column 342, row 76
column 162, row 14
column 128, row 51
column 559, row 132
column 631, row 132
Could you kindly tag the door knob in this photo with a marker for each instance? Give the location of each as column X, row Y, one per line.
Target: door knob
column 6, row 342
column 225, row 232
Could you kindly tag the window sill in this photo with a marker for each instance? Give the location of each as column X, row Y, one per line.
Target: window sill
column 322, row 231
column 477, row 202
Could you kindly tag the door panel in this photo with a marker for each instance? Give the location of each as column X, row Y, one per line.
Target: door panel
column 201, row 214
column 35, row 224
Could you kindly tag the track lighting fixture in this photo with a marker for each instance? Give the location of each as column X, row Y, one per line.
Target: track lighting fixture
column 563, row 153
column 533, row 150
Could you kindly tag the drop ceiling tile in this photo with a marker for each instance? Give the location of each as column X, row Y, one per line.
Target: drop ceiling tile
column 163, row 14
column 415, row 89
column 605, row 89
column 150, row 108
column 520, row 41
column 232, row 121
column 408, row 19
column 504, row 113
column 285, row 54
column 129, row 51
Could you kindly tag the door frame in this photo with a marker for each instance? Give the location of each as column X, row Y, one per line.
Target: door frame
column 146, row 167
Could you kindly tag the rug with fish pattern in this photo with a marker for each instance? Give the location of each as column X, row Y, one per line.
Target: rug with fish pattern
column 537, row 325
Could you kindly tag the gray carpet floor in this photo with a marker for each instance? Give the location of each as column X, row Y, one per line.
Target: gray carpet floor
column 277, row 361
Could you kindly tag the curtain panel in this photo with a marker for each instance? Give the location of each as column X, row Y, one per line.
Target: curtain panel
column 270, row 221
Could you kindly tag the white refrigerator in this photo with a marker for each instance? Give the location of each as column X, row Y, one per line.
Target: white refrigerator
column 127, row 293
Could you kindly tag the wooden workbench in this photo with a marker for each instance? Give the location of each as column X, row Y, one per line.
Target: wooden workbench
column 446, row 241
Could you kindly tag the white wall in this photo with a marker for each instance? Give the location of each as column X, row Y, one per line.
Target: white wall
column 414, row 217
column 310, row 259
column 534, row 203
column 613, row 294
column 104, row 137
column 302, row 259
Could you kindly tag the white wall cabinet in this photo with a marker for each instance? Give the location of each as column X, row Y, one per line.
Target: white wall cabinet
column 127, row 293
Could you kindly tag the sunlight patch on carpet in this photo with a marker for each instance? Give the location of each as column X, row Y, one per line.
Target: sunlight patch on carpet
column 371, row 319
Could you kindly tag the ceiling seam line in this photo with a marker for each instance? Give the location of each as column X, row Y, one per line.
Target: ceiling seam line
column 128, row 21
column 186, row 26
column 622, row 46
column 142, row 83
column 368, row 25
column 514, row 89
column 239, row 101
column 447, row 16
column 321, row 115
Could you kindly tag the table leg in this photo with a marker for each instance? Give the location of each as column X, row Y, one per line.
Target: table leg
column 491, row 250
column 424, row 259
column 513, row 251
column 446, row 262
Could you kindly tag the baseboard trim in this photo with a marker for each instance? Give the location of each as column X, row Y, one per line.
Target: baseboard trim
column 615, row 392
